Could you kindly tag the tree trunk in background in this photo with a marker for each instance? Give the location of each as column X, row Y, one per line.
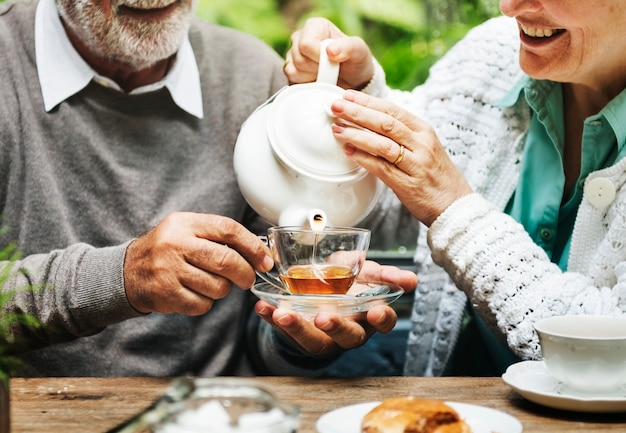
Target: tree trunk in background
column 5, row 419
column 292, row 10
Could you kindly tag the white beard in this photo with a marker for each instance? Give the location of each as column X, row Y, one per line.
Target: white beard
column 120, row 39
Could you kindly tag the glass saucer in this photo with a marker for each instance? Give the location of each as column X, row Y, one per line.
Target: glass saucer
column 343, row 305
column 531, row 380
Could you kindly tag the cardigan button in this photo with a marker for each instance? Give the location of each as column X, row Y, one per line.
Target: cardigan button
column 546, row 234
column 600, row 192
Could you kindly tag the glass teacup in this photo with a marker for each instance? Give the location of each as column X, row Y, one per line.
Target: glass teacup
column 316, row 262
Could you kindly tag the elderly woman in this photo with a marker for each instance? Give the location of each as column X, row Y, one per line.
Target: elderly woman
column 511, row 155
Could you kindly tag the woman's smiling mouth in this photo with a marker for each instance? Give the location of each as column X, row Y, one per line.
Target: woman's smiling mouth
column 536, row 32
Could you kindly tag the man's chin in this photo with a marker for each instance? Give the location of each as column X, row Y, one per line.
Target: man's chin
column 143, row 48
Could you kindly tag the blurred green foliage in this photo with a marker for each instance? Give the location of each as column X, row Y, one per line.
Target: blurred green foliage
column 9, row 319
column 406, row 36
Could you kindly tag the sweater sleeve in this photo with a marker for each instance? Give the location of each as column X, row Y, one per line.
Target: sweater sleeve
column 509, row 279
column 72, row 292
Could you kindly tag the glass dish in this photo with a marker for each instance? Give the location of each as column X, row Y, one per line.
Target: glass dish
column 226, row 405
column 362, row 296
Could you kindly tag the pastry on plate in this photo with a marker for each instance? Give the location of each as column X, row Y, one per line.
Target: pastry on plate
column 413, row 415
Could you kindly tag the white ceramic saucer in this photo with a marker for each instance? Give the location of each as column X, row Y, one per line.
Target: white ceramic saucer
column 532, row 381
column 481, row 419
column 344, row 305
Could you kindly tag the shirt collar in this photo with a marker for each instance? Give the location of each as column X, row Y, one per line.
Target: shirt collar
column 615, row 113
column 535, row 90
column 512, row 96
column 63, row 72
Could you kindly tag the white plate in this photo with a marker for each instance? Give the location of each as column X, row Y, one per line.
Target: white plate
column 532, row 381
column 344, row 305
column 480, row 419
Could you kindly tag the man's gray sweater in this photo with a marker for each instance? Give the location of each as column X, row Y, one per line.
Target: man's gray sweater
column 79, row 182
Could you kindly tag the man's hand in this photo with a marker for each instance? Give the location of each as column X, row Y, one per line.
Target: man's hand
column 188, row 261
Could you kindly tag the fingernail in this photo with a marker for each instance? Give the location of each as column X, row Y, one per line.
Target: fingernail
column 350, row 94
column 338, row 106
column 325, row 326
column 267, row 264
column 264, row 311
column 283, row 320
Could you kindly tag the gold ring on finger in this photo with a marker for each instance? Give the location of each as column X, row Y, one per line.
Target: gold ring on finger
column 400, row 156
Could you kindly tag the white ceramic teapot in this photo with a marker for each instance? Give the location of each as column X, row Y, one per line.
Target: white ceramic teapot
column 288, row 163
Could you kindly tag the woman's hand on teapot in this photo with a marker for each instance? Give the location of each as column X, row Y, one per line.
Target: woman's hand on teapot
column 400, row 149
column 351, row 52
column 329, row 334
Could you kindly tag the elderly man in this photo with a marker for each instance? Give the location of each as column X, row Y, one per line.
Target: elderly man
column 118, row 121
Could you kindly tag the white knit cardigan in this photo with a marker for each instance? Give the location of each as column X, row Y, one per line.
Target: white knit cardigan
column 473, row 245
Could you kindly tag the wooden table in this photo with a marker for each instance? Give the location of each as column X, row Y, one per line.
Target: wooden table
column 80, row 405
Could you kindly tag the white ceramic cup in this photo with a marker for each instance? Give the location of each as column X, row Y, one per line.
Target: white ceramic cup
column 585, row 352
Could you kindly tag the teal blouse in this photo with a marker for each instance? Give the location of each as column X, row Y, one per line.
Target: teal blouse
column 538, row 199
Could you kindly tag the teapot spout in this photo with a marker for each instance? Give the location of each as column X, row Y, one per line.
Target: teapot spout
column 314, row 219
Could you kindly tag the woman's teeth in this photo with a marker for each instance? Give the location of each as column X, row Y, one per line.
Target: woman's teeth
column 538, row 33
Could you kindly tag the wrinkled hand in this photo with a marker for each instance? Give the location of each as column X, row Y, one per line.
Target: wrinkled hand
column 330, row 334
column 302, row 59
column 424, row 177
column 188, row 261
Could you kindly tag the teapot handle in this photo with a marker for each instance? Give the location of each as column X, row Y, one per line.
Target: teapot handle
column 328, row 72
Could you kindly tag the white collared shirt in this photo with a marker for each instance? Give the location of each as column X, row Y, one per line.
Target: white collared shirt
column 63, row 72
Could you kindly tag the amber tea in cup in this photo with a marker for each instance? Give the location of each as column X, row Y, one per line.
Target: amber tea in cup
column 319, row 279
column 323, row 262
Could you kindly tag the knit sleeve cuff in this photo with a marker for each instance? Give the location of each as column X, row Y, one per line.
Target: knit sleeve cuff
column 471, row 235
column 101, row 295
column 377, row 83
column 451, row 234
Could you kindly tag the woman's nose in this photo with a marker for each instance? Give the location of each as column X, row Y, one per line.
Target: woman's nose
column 513, row 8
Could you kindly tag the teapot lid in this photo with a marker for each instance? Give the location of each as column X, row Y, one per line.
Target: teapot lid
column 299, row 126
